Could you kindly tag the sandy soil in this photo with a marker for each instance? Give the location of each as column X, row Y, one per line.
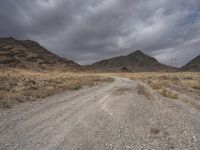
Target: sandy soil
column 108, row 116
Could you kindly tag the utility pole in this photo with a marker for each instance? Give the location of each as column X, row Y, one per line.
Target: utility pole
column 171, row 62
column 174, row 62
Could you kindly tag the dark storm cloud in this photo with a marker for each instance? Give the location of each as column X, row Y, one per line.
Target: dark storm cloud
column 90, row 30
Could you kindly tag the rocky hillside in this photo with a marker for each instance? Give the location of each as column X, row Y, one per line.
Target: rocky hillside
column 136, row 61
column 193, row 65
column 31, row 55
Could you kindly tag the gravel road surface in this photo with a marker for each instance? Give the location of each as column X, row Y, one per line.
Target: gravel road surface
column 108, row 116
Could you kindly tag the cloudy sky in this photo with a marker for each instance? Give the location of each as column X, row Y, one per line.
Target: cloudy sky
column 90, row 30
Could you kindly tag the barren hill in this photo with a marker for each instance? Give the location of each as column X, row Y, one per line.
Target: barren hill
column 136, row 61
column 193, row 65
column 29, row 54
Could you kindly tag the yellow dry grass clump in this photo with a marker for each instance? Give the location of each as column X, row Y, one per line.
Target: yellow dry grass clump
column 168, row 93
column 25, row 85
column 193, row 84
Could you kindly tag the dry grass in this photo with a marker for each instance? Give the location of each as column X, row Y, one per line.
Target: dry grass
column 22, row 85
column 158, row 85
column 169, row 94
column 168, row 84
column 193, row 84
column 144, row 90
column 25, row 85
column 141, row 89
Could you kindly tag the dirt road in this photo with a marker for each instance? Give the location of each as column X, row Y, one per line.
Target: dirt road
column 108, row 116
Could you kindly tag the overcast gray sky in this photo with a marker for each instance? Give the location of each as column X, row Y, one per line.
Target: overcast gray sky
column 90, row 30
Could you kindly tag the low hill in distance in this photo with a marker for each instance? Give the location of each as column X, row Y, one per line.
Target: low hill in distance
column 31, row 55
column 193, row 65
column 134, row 62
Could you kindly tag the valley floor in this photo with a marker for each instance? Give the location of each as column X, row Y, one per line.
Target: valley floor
column 119, row 115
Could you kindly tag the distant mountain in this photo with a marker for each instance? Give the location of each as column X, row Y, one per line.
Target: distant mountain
column 29, row 54
column 136, row 61
column 193, row 65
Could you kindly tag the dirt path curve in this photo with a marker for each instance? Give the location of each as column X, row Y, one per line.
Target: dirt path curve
column 108, row 116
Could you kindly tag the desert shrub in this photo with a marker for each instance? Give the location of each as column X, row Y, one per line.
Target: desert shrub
column 169, row 94
column 141, row 89
column 193, row 84
column 164, row 77
column 5, row 103
column 174, row 80
column 75, row 87
column 158, row 85
column 149, row 82
column 187, row 78
column 196, row 86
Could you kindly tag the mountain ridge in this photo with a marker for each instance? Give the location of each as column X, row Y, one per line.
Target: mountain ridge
column 193, row 65
column 135, row 61
column 31, row 55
